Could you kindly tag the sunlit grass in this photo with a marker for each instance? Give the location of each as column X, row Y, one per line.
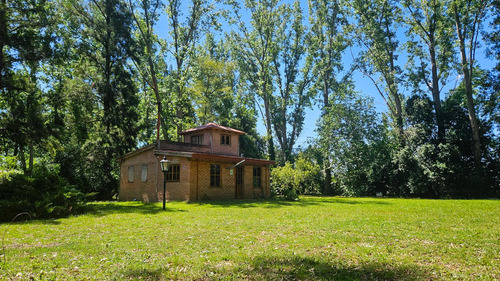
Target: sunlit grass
column 311, row 239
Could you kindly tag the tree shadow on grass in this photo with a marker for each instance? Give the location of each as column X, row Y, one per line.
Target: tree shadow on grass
column 110, row 208
column 277, row 202
column 143, row 274
column 306, row 268
column 291, row 268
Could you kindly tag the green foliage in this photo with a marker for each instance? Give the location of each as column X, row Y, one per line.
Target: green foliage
column 311, row 176
column 285, row 181
column 290, row 180
column 44, row 194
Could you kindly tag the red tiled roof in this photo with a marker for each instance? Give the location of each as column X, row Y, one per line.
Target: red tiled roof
column 213, row 126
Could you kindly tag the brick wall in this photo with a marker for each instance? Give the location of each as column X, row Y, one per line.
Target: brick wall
column 178, row 191
column 139, row 190
column 194, row 181
column 211, row 139
column 201, row 189
column 205, row 192
column 223, row 149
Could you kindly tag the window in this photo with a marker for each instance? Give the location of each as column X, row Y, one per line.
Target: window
column 197, row 139
column 225, row 140
column 131, row 174
column 144, row 173
column 214, row 175
column 257, row 182
column 174, row 173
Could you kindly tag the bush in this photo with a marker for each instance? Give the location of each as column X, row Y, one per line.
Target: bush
column 43, row 194
column 284, row 181
column 290, row 181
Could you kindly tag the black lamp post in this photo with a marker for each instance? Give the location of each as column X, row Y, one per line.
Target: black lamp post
column 164, row 164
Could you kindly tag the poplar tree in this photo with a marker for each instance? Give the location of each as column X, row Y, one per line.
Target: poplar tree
column 468, row 16
column 431, row 50
column 376, row 34
column 326, row 43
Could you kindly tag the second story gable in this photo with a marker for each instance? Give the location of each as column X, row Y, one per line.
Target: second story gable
column 219, row 139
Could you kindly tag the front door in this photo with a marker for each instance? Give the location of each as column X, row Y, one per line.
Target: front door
column 239, row 182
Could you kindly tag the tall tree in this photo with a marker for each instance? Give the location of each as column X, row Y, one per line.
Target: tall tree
column 469, row 16
column 376, row 33
column 184, row 37
column 146, row 14
column 431, row 50
column 292, row 73
column 105, row 42
column 213, row 84
column 493, row 38
column 327, row 43
column 26, row 37
column 255, row 49
column 346, row 133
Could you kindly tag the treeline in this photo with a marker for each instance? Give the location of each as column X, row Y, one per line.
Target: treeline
column 83, row 82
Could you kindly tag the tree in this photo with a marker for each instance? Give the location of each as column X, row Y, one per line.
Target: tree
column 493, row 38
column 431, row 43
column 376, row 33
column 104, row 38
column 347, row 132
column 254, row 50
column 212, row 89
column 469, row 16
column 292, row 73
column 183, row 40
column 147, row 58
column 326, row 44
column 26, row 37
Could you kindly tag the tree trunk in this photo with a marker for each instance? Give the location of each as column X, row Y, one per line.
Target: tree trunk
column 328, row 179
column 435, row 91
column 467, row 72
column 327, row 190
column 270, row 143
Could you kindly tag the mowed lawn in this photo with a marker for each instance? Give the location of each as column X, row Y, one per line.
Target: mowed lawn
column 315, row 238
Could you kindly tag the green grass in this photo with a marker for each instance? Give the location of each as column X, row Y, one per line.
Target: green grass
column 311, row 239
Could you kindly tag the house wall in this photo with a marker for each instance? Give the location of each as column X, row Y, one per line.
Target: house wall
column 194, row 181
column 222, row 149
column 139, row 190
column 251, row 192
column 211, row 138
column 177, row 191
column 202, row 187
column 200, row 182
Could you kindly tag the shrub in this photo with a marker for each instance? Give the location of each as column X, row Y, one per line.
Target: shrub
column 44, row 194
column 291, row 180
column 285, row 181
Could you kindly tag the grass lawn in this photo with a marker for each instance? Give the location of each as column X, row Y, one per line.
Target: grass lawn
column 315, row 238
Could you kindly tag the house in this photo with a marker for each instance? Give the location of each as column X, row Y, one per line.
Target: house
column 206, row 166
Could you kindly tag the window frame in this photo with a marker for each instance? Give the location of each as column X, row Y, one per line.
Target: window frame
column 131, row 173
column 173, row 176
column 197, row 139
column 225, row 139
column 257, row 179
column 144, row 173
column 215, row 176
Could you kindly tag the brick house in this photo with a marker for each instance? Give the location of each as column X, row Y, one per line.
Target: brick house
column 206, row 166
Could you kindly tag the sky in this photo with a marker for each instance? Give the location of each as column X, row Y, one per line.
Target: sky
column 363, row 85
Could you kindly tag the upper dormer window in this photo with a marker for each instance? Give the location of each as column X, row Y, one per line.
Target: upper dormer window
column 197, row 139
column 225, row 139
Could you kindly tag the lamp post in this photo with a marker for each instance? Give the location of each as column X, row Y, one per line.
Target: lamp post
column 164, row 164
